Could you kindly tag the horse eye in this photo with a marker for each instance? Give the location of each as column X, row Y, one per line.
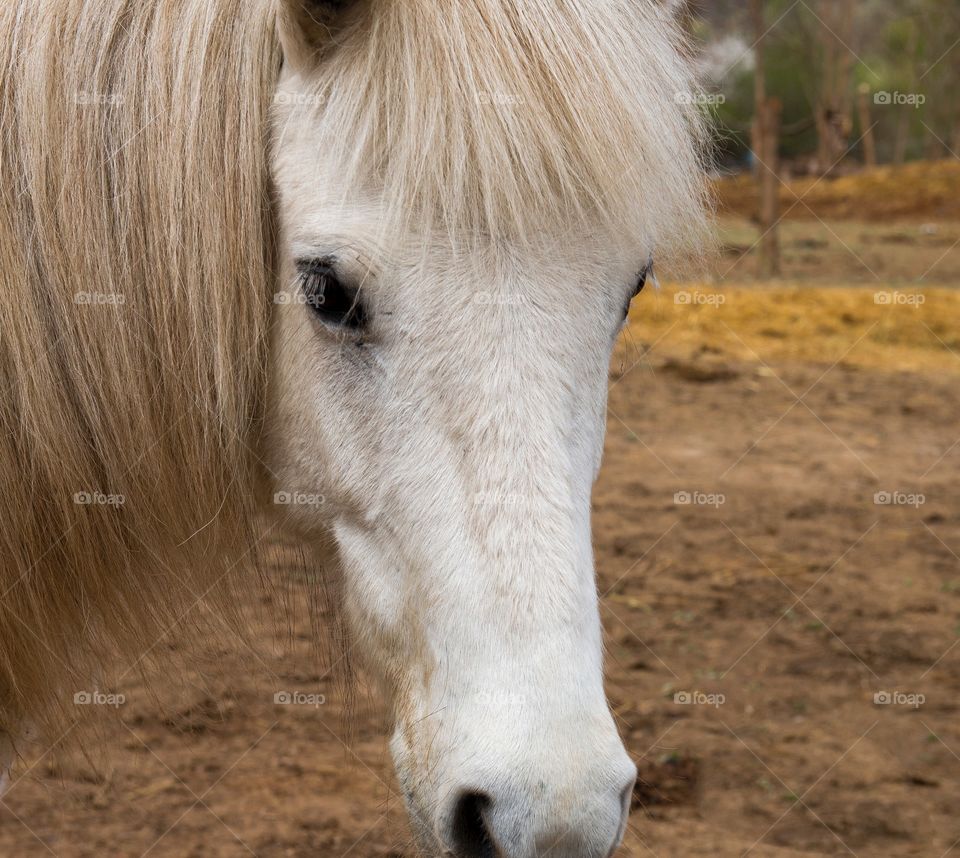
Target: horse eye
column 327, row 296
column 642, row 280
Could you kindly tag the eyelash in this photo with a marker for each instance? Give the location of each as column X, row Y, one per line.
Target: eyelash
column 646, row 274
column 328, row 297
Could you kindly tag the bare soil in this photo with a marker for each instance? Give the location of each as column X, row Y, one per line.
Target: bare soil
column 744, row 566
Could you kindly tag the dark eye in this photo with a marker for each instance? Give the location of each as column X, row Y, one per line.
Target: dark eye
column 327, row 296
column 642, row 279
column 641, row 282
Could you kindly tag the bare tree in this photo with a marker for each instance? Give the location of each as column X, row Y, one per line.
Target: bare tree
column 766, row 149
column 866, row 126
column 834, row 104
column 939, row 27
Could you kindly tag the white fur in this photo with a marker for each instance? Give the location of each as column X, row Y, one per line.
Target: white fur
column 456, row 450
column 457, row 440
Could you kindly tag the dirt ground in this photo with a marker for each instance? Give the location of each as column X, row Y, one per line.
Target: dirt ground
column 777, row 538
column 830, row 253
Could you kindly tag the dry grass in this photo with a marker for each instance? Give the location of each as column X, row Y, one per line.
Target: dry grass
column 926, row 189
column 873, row 328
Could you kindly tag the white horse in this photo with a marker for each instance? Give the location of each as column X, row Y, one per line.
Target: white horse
column 370, row 254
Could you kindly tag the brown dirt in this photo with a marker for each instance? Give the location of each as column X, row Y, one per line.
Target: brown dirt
column 797, row 599
column 891, row 256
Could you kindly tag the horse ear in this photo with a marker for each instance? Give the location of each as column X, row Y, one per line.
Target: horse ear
column 305, row 26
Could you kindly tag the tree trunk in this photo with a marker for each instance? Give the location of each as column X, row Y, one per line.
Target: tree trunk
column 824, row 144
column 866, row 127
column 770, row 189
column 903, row 133
column 759, row 79
column 933, row 147
column 766, row 148
column 835, row 104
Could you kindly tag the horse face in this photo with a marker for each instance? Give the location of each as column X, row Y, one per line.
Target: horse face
column 437, row 403
column 450, row 415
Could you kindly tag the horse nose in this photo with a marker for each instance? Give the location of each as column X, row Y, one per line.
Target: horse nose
column 514, row 823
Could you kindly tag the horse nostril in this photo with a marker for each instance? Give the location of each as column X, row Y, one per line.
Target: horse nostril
column 469, row 834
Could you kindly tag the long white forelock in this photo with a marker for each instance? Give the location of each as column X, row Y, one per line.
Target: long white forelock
column 494, row 119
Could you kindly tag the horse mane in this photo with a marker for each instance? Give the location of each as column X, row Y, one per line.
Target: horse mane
column 516, row 122
column 135, row 261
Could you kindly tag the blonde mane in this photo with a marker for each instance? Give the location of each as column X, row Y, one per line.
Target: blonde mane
column 515, row 121
column 135, row 257
column 137, row 260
